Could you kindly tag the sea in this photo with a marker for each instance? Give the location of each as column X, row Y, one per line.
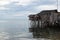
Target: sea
column 18, row 29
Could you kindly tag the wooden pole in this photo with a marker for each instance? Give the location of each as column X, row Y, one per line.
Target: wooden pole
column 57, row 4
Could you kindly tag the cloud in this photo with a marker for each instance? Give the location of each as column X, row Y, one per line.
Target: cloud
column 18, row 2
column 46, row 7
column 4, row 2
column 24, row 2
column 23, row 8
column 21, row 14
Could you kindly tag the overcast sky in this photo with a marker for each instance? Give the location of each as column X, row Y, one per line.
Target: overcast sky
column 20, row 9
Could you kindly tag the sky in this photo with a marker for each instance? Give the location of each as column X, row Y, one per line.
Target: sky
column 20, row 9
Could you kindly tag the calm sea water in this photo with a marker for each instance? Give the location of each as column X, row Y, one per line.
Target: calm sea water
column 19, row 30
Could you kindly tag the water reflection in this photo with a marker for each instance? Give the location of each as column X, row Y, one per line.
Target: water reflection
column 16, row 31
column 46, row 33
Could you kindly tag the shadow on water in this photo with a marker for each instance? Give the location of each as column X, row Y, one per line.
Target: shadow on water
column 49, row 32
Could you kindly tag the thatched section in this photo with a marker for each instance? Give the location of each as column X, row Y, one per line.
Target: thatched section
column 44, row 18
